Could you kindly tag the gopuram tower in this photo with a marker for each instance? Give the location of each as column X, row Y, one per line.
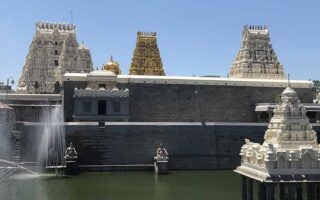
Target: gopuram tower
column 146, row 58
column 256, row 57
column 54, row 50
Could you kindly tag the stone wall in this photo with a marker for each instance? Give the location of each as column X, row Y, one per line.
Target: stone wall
column 180, row 103
column 190, row 145
column 7, row 126
column 32, row 110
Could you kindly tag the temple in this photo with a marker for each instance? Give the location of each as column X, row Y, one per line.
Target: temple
column 289, row 154
column 113, row 66
column 146, row 58
column 256, row 57
column 54, row 51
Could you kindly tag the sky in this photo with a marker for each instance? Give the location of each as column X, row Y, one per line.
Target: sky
column 195, row 37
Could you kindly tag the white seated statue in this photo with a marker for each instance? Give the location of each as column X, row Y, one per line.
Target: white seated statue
column 162, row 154
column 71, row 153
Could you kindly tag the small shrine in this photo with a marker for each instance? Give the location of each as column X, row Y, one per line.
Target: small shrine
column 113, row 66
column 289, row 156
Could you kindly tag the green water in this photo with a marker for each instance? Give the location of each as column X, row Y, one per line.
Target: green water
column 184, row 185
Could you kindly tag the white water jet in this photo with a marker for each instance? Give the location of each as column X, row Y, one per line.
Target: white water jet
column 52, row 143
column 14, row 165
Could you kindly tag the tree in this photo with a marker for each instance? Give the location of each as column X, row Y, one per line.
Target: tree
column 316, row 86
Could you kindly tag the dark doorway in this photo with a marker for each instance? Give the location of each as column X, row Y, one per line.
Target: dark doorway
column 102, row 107
column 312, row 116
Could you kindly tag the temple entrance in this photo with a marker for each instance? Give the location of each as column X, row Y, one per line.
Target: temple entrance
column 102, row 107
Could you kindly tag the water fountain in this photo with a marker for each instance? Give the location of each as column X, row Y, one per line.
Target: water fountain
column 52, row 144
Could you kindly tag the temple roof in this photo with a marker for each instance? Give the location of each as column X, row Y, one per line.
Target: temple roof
column 101, row 73
column 101, row 92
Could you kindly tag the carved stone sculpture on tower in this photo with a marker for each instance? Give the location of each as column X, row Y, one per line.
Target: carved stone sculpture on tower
column 256, row 57
column 146, row 58
column 54, row 50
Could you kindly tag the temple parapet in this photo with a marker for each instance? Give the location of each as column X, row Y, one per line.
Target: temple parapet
column 152, row 34
column 52, row 26
column 101, row 92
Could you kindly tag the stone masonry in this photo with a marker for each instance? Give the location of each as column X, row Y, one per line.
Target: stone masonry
column 54, row 50
column 256, row 57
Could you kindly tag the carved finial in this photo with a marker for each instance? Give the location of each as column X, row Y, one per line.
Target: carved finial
column 288, row 80
column 111, row 58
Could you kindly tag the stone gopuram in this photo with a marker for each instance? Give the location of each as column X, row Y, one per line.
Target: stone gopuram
column 256, row 57
column 146, row 58
column 289, row 156
column 54, row 50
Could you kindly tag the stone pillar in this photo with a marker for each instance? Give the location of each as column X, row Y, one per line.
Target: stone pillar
column 244, row 187
column 318, row 191
column 292, row 191
column 270, row 116
column 299, row 192
column 262, row 191
column 311, row 192
column 269, row 191
column 282, row 188
column 250, row 189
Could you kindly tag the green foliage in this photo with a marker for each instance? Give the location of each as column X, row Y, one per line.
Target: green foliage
column 316, row 86
column 277, row 98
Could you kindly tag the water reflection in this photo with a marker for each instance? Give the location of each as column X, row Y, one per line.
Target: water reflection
column 184, row 185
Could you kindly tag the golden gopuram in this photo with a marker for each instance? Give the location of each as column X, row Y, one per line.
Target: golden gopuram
column 146, row 58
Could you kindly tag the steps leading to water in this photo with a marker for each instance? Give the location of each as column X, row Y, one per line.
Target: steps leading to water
column 129, row 167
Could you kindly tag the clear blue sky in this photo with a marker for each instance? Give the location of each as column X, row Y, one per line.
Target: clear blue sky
column 198, row 37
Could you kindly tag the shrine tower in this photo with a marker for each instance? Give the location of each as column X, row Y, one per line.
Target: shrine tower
column 146, row 58
column 54, row 50
column 256, row 58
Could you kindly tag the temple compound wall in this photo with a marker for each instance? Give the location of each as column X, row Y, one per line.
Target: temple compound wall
column 192, row 145
column 188, row 99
